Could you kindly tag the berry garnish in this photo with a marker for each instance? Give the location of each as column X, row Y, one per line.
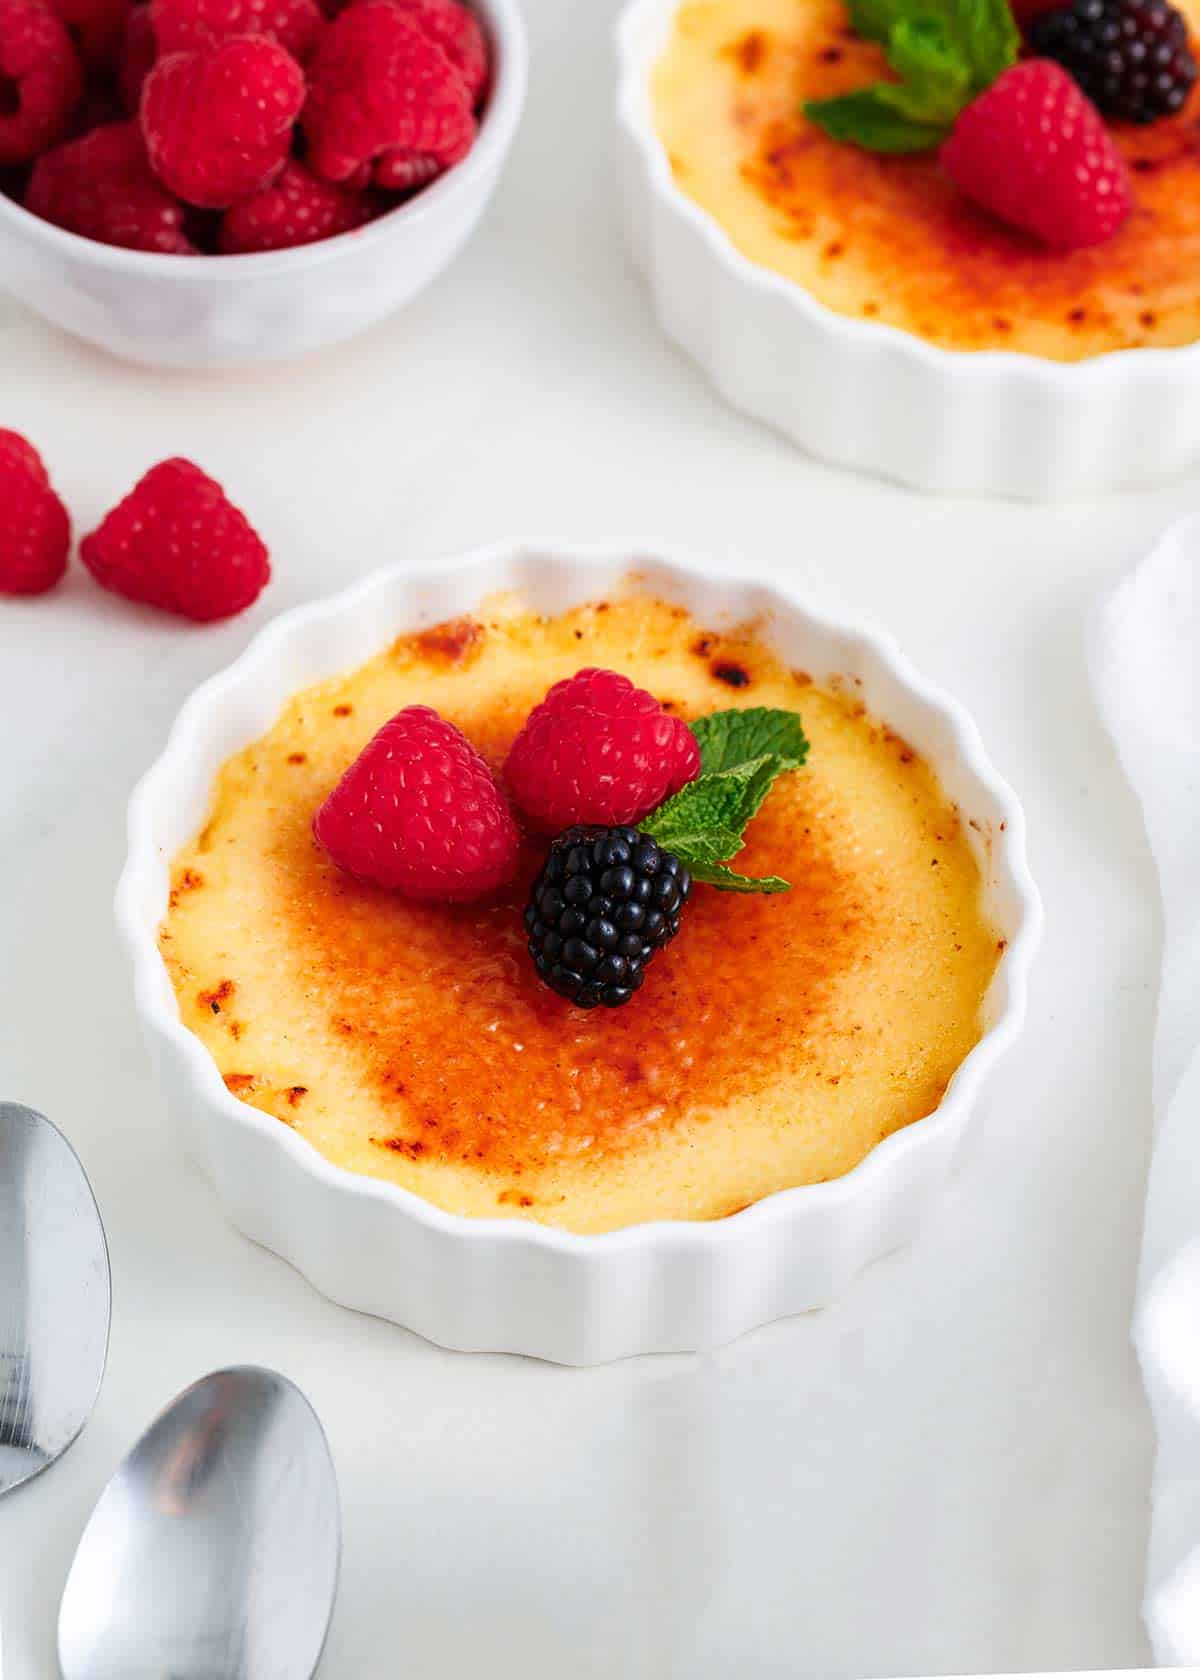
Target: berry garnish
column 419, row 812
column 1034, row 151
column 598, row 750
column 606, row 900
column 35, row 532
column 1131, row 57
column 178, row 543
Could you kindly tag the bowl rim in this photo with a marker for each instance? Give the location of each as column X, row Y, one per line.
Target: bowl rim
column 505, row 25
column 636, row 57
column 152, row 987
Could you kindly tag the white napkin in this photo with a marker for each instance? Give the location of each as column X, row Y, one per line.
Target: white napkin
column 1145, row 666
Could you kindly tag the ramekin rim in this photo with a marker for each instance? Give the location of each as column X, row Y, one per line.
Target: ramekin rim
column 1009, row 850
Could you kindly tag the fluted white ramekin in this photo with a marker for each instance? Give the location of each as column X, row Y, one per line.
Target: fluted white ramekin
column 512, row 1285
column 866, row 395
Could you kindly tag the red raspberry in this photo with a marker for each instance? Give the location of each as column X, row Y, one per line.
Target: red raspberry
column 137, row 58
column 296, row 210
column 598, row 750
column 419, row 812
column 96, row 26
column 1035, row 152
column 40, row 80
column 103, row 188
column 175, row 542
column 191, row 25
column 218, row 123
column 35, row 532
column 458, row 32
column 378, row 84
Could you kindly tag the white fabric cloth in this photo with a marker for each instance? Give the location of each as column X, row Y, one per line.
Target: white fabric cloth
column 1145, row 667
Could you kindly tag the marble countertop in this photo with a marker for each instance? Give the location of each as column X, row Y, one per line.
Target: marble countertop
column 948, row 1471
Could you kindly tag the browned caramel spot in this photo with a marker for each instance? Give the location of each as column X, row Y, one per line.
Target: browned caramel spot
column 703, row 645
column 452, row 643
column 835, row 249
column 218, row 997
column 411, row 1148
column 731, row 673
column 1148, row 318
column 343, row 711
column 749, row 51
column 189, row 880
column 831, row 55
column 297, row 758
column 240, row 1083
column 296, row 1093
column 516, row 1198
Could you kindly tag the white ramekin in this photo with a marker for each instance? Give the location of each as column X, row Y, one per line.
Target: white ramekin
column 207, row 312
column 511, row 1285
column 866, row 395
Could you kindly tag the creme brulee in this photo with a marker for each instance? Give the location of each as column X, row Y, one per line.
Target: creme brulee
column 776, row 1040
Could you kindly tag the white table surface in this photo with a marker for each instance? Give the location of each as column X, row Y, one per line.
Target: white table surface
column 948, row 1472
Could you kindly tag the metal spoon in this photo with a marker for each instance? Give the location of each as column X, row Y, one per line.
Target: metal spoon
column 213, row 1552
column 55, row 1295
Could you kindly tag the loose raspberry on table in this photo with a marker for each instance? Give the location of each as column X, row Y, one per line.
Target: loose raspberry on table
column 103, row 188
column 139, row 52
column 420, row 813
column 191, row 25
column 1034, row 151
column 35, row 530
column 41, row 81
column 379, row 84
column 598, row 750
column 177, row 543
column 97, row 28
column 218, row 123
column 296, row 209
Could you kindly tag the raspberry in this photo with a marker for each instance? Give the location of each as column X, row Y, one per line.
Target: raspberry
column 378, row 85
column 296, row 210
column 218, row 123
column 605, row 901
column 40, row 80
column 419, row 812
column 175, row 542
column 457, row 31
column 1035, row 152
column 192, row 25
column 598, row 750
column 103, row 188
column 138, row 54
column 1131, row 57
column 35, row 532
column 97, row 28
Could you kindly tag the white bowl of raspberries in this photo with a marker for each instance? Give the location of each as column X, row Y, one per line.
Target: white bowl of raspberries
column 191, row 183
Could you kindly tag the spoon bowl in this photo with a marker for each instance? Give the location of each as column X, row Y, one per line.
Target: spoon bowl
column 214, row 1550
column 55, row 1295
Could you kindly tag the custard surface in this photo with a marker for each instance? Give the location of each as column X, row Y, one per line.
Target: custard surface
column 774, row 1042
column 890, row 238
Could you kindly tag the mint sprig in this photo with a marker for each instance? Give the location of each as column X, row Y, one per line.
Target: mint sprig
column 943, row 53
column 742, row 753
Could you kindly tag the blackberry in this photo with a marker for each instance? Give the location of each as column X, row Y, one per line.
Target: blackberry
column 605, row 901
column 1131, row 57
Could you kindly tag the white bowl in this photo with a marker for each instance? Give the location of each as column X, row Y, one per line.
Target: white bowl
column 512, row 1285
column 867, row 395
column 205, row 312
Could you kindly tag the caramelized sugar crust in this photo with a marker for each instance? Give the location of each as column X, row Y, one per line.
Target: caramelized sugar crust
column 890, row 238
column 774, row 1042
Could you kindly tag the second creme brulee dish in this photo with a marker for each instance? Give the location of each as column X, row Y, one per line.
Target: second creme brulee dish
column 890, row 238
column 775, row 1042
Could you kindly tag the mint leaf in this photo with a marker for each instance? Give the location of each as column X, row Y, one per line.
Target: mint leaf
column 727, row 739
column 726, row 880
column 742, row 753
column 943, row 53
